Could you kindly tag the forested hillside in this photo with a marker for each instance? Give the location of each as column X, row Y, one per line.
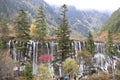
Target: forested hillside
column 112, row 24
column 80, row 21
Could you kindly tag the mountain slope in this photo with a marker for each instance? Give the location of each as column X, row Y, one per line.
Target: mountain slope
column 113, row 23
column 80, row 21
column 84, row 21
column 10, row 8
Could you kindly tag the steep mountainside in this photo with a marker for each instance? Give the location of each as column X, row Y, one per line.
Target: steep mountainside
column 87, row 20
column 80, row 21
column 112, row 24
column 83, row 21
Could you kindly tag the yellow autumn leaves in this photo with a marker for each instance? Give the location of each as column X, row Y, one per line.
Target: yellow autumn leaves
column 34, row 31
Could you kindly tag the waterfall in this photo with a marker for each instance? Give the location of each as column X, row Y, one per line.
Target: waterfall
column 9, row 46
column 99, row 47
column 81, row 66
column 75, row 47
column 104, row 62
column 30, row 48
column 72, row 48
column 80, row 48
column 99, row 61
column 14, row 54
column 96, row 46
column 118, row 47
column 52, row 48
column 48, row 52
column 35, row 55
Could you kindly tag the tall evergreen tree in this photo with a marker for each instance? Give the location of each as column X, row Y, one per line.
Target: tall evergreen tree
column 4, row 33
column 40, row 24
column 41, row 30
column 22, row 35
column 90, row 44
column 63, row 36
column 110, row 48
column 22, row 26
column 4, row 28
column 22, row 31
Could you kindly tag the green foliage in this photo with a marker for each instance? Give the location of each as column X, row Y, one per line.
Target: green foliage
column 118, row 66
column 22, row 31
column 28, row 71
column 70, row 66
column 22, row 26
column 40, row 24
column 22, row 34
column 40, row 29
column 4, row 33
column 63, row 36
column 85, row 54
column 113, row 23
column 90, row 44
column 110, row 49
column 3, row 43
column 4, row 27
column 43, row 72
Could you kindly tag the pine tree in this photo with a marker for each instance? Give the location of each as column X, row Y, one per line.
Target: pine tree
column 22, row 35
column 63, row 36
column 90, row 44
column 41, row 30
column 40, row 24
column 110, row 48
column 22, row 31
column 4, row 28
column 22, row 26
column 4, row 33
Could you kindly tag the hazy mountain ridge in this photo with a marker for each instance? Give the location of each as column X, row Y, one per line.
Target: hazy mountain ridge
column 86, row 20
column 81, row 21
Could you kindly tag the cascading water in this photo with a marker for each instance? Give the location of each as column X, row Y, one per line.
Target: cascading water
column 47, row 48
column 35, row 55
column 80, row 48
column 9, row 46
column 81, row 66
column 118, row 47
column 75, row 47
column 14, row 54
column 101, row 60
column 99, row 47
column 52, row 48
